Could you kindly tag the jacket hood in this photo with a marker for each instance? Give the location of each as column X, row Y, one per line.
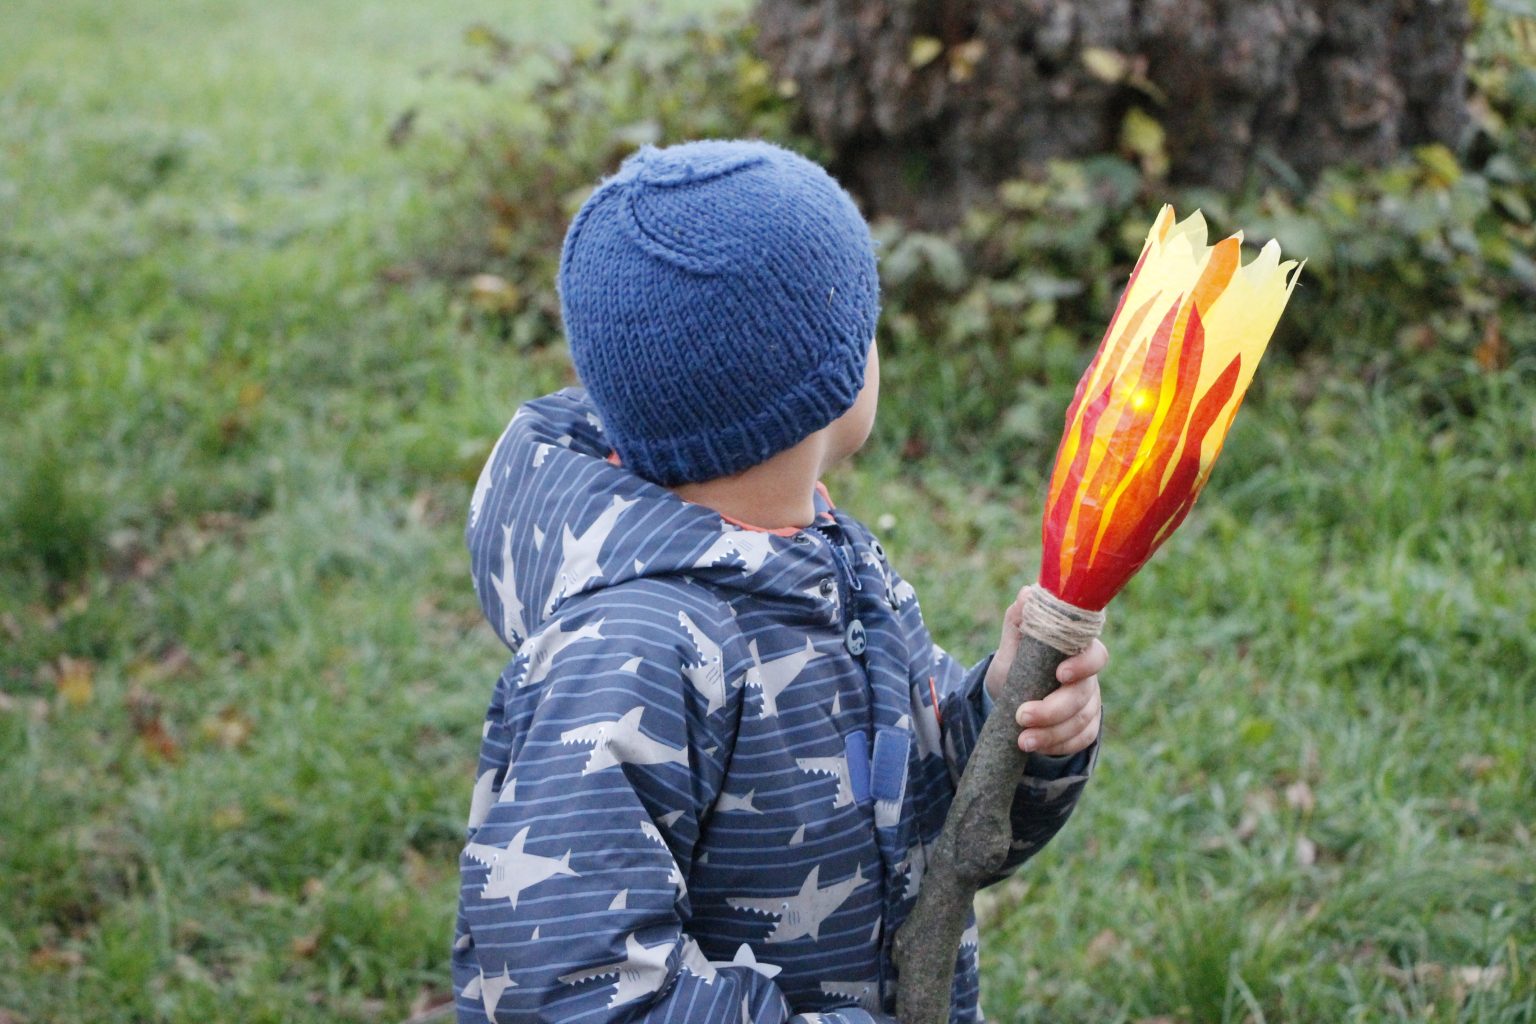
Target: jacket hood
column 554, row 516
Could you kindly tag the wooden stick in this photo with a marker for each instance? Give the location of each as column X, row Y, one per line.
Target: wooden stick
column 973, row 846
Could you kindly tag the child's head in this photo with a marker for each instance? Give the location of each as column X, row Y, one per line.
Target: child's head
column 720, row 299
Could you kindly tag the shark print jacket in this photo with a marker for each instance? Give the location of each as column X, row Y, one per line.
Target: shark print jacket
column 715, row 761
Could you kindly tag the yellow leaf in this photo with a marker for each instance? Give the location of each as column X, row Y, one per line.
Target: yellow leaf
column 964, row 58
column 1105, row 65
column 925, row 50
column 1141, row 133
column 75, row 681
column 1439, row 163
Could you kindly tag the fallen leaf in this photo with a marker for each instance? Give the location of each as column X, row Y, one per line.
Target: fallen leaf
column 305, row 946
column 1306, row 851
column 75, row 681
column 230, row 728
column 52, row 958
column 1478, row 765
column 228, row 817
column 1299, row 796
column 313, row 888
column 1472, row 978
column 1101, row 947
column 427, row 999
column 493, row 293
column 158, row 740
column 1492, row 353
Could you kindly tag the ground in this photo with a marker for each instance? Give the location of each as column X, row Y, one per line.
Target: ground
column 241, row 668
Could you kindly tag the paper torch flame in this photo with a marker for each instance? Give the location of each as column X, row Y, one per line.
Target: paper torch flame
column 1151, row 412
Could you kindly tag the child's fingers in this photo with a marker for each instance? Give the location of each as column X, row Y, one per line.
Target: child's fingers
column 1081, row 741
column 1080, row 666
column 1058, row 732
column 1057, row 706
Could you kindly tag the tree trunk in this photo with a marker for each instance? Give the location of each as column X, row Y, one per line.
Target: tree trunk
column 928, row 105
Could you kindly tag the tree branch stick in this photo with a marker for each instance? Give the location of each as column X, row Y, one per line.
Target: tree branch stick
column 974, row 844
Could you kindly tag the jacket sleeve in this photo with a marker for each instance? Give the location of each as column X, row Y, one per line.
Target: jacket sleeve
column 1051, row 786
column 573, row 885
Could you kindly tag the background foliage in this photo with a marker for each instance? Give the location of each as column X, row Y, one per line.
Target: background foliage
column 272, row 278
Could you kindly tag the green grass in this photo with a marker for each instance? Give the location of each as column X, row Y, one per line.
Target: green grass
column 241, row 670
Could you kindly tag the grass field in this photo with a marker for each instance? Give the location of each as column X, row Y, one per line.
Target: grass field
column 241, row 668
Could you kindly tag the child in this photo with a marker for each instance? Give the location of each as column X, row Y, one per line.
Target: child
column 725, row 738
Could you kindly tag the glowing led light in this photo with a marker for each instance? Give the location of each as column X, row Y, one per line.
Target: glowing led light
column 1182, row 346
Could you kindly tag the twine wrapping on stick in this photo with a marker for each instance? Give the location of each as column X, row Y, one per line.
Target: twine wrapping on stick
column 1052, row 621
column 978, row 833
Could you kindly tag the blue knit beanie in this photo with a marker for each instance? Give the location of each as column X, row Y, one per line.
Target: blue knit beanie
column 720, row 299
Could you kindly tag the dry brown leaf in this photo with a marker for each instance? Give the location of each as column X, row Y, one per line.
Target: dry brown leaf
column 1299, row 796
column 157, row 739
column 1492, row 353
column 230, row 728
column 493, row 293
column 1101, row 947
column 1478, row 765
column 52, row 958
column 305, row 946
column 75, row 680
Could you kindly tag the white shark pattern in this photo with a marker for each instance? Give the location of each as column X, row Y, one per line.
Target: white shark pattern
column 750, row 546
column 773, row 676
column 675, row 876
column 538, row 539
column 621, row 901
column 701, row 966
column 971, row 937
column 514, row 625
column 490, row 989
column 508, row 792
column 482, row 488
column 731, row 802
column 708, row 676
column 798, row 837
column 642, row 971
column 579, row 554
column 542, row 650
column 483, row 798
column 862, row 992
column 802, row 913
column 834, row 766
column 903, row 592
column 512, row 870
column 540, row 453
column 914, row 867
column 925, row 723
column 620, row 741
column 670, row 818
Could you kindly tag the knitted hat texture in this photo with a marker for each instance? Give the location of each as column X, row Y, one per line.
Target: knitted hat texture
column 720, row 298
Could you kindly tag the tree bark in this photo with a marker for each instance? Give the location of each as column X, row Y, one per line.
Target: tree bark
column 973, row 846
column 928, row 105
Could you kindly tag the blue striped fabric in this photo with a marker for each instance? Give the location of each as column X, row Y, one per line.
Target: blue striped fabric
column 714, row 763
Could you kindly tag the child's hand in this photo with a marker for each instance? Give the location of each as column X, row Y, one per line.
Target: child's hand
column 1067, row 720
